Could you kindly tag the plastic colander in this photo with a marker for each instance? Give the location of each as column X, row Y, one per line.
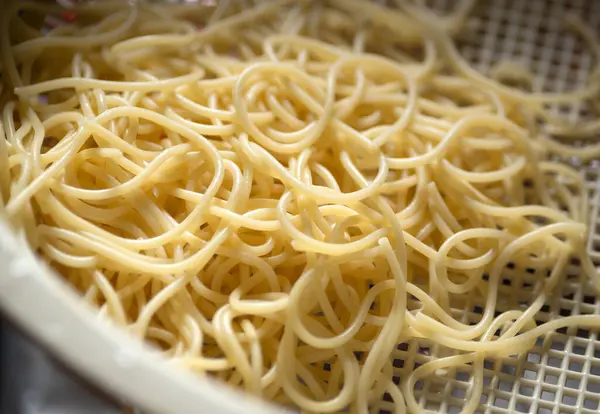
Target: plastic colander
column 561, row 374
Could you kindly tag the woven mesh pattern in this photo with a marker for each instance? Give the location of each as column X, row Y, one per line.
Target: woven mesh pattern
column 561, row 374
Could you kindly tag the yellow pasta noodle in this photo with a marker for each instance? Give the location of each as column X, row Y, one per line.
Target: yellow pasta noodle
column 279, row 195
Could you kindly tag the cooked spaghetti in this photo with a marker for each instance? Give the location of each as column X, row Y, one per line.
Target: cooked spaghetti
column 281, row 195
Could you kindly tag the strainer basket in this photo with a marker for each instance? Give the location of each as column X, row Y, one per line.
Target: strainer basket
column 561, row 374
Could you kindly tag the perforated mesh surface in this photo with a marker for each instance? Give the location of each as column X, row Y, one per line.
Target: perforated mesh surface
column 561, row 374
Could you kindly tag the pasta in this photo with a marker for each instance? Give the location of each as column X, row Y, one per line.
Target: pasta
column 281, row 195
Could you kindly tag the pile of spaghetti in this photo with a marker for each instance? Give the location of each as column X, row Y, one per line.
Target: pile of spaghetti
column 281, row 194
